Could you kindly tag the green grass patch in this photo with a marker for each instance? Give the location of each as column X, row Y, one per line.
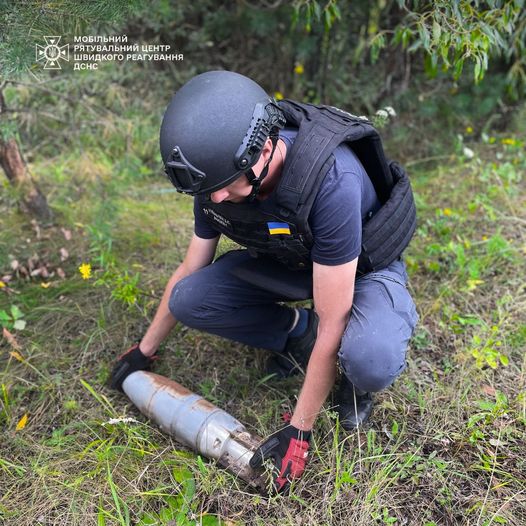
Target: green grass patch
column 445, row 444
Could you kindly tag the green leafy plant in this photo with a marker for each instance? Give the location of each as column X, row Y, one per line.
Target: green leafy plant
column 486, row 348
column 309, row 11
column 454, row 33
column 13, row 319
column 125, row 287
column 489, row 411
column 181, row 508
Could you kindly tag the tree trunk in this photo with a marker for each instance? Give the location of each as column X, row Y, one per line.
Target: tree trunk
column 32, row 200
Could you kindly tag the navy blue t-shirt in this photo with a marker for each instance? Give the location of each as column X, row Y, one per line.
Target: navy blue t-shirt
column 346, row 196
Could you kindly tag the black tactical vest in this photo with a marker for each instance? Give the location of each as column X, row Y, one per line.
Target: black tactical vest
column 278, row 226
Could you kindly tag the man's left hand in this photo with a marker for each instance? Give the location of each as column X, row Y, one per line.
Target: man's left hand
column 129, row 362
column 288, row 449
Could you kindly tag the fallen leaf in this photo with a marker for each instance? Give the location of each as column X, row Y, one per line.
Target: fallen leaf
column 19, row 325
column 11, row 340
column 61, row 273
column 7, row 278
column 32, row 262
column 17, row 356
column 15, row 264
column 495, row 442
column 36, row 228
column 64, row 254
column 66, row 233
column 489, row 390
column 22, row 422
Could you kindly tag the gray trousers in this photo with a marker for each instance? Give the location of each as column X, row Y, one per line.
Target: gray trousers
column 373, row 347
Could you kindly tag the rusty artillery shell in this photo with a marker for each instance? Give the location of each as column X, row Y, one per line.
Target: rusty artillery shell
column 195, row 422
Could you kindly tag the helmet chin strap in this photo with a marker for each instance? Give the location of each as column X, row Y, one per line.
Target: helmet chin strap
column 256, row 181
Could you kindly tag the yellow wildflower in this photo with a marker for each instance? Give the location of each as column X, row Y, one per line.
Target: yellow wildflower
column 511, row 142
column 22, row 422
column 85, row 270
column 474, row 283
column 278, row 95
column 2, row 284
column 299, row 69
column 469, row 130
column 447, row 211
column 45, row 285
column 484, row 238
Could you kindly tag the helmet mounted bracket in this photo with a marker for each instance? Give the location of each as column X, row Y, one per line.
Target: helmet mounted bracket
column 267, row 120
column 182, row 174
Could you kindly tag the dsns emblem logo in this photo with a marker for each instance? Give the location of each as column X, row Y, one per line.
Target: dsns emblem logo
column 52, row 53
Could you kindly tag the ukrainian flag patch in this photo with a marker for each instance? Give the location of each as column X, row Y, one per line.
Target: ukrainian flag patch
column 278, row 228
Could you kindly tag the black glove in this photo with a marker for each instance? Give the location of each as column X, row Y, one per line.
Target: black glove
column 288, row 448
column 129, row 362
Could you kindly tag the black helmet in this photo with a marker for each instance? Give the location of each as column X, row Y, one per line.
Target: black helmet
column 214, row 130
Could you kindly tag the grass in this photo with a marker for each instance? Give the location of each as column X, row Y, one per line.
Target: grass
column 445, row 444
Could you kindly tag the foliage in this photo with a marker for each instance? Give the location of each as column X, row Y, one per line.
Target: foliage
column 12, row 319
column 124, row 287
column 452, row 33
column 486, row 350
column 62, row 17
column 309, row 11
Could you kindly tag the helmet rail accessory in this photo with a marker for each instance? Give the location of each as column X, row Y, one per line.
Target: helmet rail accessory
column 182, row 174
column 266, row 120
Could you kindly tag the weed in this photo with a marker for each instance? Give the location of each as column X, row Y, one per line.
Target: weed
column 124, row 287
column 486, row 349
column 13, row 319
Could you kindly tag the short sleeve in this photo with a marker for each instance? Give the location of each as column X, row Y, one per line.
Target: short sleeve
column 345, row 197
column 336, row 219
column 202, row 227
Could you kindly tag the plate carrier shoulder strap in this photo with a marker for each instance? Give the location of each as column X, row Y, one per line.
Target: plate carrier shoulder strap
column 321, row 129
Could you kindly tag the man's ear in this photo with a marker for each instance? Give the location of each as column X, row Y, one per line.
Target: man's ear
column 265, row 154
column 267, row 148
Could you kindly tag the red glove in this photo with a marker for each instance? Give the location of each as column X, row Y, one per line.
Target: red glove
column 288, row 448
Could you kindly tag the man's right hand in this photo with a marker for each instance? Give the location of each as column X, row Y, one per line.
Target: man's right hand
column 288, row 449
column 129, row 362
